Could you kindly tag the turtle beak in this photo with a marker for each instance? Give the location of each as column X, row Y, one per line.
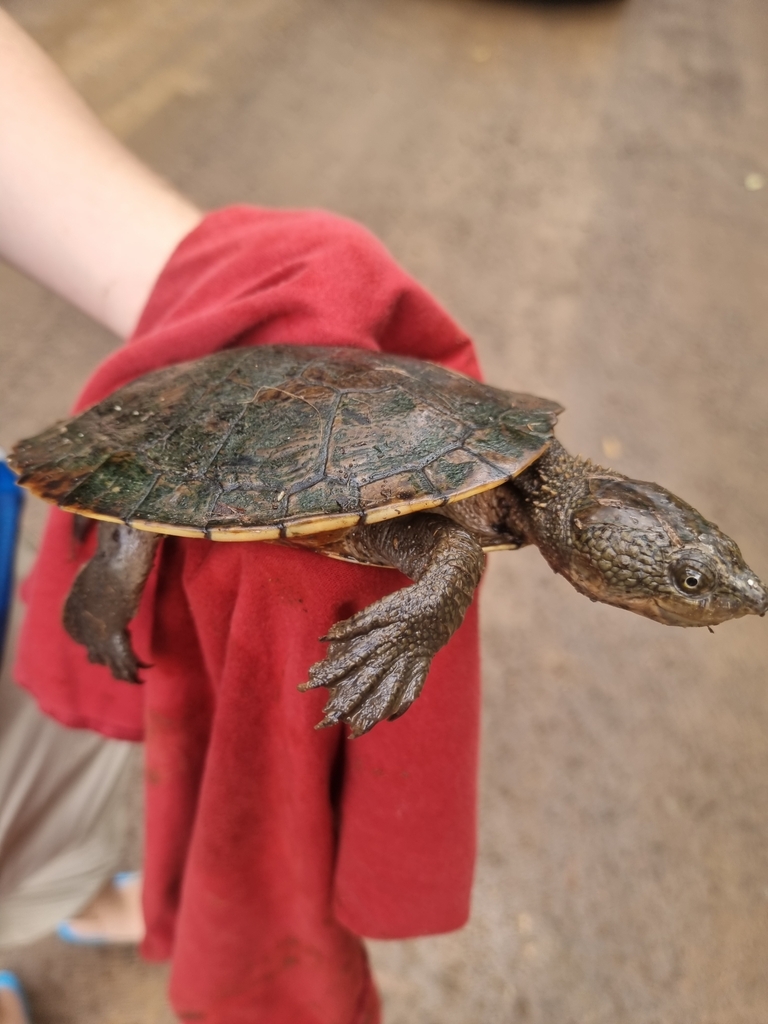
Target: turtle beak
column 754, row 593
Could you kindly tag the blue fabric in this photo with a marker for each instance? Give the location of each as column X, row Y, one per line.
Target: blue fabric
column 10, row 509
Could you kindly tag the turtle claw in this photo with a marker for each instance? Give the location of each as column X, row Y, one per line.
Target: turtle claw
column 120, row 660
column 113, row 650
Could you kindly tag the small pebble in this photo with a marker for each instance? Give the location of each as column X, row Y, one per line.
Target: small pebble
column 754, row 182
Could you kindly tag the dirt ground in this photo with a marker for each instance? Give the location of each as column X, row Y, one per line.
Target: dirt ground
column 570, row 181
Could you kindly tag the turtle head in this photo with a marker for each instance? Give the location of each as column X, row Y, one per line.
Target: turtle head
column 636, row 545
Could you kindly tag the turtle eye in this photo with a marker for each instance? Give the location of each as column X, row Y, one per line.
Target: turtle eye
column 693, row 579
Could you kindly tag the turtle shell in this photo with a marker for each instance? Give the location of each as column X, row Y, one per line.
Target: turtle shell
column 283, row 441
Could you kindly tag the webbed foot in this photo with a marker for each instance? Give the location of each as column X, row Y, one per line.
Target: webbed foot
column 377, row 662
column 105, row 597
column 106, row 645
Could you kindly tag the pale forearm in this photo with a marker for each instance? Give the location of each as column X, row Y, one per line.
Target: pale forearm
column 78, row 212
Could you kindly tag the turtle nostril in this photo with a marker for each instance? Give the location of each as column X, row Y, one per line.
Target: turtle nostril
column 757, row 595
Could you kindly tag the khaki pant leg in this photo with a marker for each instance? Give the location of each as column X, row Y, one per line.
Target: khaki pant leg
column 62, row 819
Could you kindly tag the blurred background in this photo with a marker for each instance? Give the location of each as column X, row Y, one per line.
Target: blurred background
column 582, row 186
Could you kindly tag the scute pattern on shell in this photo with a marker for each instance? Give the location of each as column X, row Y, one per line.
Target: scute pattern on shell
column 276, row 440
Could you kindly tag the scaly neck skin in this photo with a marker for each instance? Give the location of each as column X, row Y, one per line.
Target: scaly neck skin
column 546, row 493
column 534, row 508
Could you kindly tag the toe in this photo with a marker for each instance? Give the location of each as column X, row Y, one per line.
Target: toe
column 346, row 657
column 410, row 691
column 378, row 704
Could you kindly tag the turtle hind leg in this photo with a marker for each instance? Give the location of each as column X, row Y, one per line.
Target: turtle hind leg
column 105, row 597
column 378, row 659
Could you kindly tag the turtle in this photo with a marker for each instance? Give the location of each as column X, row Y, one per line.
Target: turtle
column 380, row 459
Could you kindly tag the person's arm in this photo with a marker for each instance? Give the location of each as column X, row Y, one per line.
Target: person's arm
column 78, row 212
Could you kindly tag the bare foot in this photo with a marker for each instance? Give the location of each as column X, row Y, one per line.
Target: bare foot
column 11, row 1009
column 113, row 915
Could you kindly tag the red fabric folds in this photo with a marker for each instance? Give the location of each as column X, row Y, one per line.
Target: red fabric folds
column 270, row 847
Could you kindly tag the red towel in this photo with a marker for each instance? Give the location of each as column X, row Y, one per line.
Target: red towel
column 270, row 847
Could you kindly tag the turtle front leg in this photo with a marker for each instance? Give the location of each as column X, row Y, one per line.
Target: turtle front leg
column 379, row 658
column 105, row 597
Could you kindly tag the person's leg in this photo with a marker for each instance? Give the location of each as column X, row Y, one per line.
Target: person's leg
column 114, row 915
column 62, row 822
column 13, row 1008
